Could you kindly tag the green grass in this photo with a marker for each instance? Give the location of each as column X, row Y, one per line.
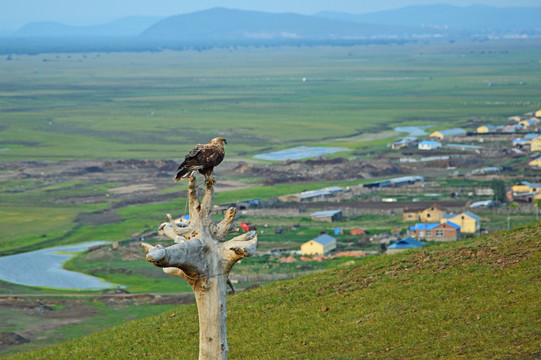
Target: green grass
column 475, row 298
column 157, row 105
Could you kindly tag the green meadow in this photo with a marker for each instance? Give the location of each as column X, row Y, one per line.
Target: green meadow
column 472, row 299
column 157, row 105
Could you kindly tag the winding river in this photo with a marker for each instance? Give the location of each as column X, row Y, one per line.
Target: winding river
column 43, row 268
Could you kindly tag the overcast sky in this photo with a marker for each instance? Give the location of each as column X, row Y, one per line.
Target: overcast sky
column 15, row 13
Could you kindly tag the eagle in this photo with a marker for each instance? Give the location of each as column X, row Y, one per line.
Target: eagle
column 202, row 158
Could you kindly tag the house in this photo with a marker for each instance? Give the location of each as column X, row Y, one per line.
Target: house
column 403, row 143
column 511, row 128
column 446, row 134
column 333, row 190
column 403, row 245
column 484, row 192
column 519, row 143
column 486, row 129
column 482, row 204
column 328, row 215
column 526, row 187
column 536, row 163
column 513, row 119
column 436, row 232
column 429, row 145
column 469, row 222
column 357, row 231
column 321, row 245
column 313, row 195
column 537, row 113
column 406, row 180
column 535, row 144
column 486, row 171
column 529, row 123
column 431, row 213
column 401, row 181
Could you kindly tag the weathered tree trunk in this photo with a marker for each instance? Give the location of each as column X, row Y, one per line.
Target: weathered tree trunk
column 202, row 257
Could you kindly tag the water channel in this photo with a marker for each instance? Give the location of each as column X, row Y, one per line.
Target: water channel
column 43, row 268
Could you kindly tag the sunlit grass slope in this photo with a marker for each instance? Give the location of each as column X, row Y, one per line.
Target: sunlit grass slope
column 474, row 299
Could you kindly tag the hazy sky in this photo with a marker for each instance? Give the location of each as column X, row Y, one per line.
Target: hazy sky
column 15, row 13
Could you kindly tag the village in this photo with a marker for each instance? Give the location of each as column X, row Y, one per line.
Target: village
column 430, row 211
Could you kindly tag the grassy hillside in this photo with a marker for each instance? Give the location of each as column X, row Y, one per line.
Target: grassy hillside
column 474, row 299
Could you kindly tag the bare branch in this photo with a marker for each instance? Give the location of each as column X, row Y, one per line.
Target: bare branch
column 224, row 226
column 186, row 255
column 238, row 248
column 168, row 230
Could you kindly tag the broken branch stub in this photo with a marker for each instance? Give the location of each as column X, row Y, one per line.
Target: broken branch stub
column 204, row 258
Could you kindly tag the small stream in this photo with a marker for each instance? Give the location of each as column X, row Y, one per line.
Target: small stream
column 43, row 268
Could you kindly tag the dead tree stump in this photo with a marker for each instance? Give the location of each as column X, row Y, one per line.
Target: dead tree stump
column 202, row 257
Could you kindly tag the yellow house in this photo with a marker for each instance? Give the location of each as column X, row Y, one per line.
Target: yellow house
column 468, row 221
column 537, row 113
column 535, row 144
column 485, row 129
column 432, row 213
column 321, row 245
column 529, row 122
column 526, row 187
column 536, row 163
column 446, row 134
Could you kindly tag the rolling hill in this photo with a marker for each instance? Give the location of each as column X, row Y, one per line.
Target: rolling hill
column 227, row 24
column 473, row 299
column 442, row 16
column 127, row 26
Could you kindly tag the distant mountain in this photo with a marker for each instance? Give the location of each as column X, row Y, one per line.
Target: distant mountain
column 127, row 26
column 229, row 24
column 476, row 17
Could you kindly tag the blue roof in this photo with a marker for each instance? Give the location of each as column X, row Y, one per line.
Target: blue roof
column 430, row 226
column 423, row 226
column 407, row 243
column 452, row 224
column 324, row 239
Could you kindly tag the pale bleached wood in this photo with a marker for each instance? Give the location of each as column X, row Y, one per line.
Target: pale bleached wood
column 204, row 258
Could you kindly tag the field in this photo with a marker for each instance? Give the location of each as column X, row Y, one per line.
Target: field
column 476, row 298
column 89, row 142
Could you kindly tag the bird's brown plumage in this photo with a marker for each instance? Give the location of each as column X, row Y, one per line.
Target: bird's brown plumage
column 202, row 158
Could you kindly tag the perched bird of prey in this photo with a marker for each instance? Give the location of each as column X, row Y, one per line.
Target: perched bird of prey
column 202, row 158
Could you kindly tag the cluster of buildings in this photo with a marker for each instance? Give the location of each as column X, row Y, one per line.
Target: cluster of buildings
column 529, row 125
column 525, row 191
column 435, row 224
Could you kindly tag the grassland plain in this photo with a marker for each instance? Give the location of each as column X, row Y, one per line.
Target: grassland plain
column 157, row 105
column 474, row 299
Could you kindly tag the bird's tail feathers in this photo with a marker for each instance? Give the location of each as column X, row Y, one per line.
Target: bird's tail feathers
column 183, row 174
